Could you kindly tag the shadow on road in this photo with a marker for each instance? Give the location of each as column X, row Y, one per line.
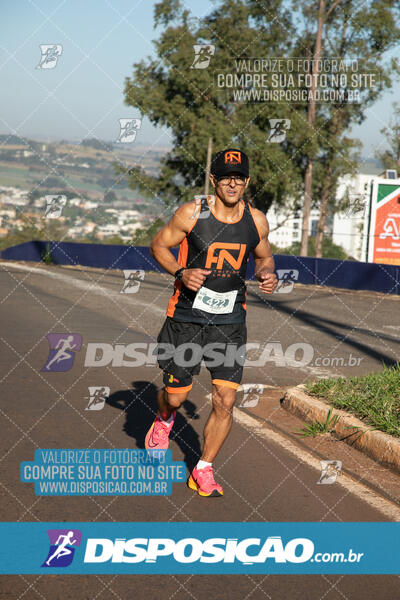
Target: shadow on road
column 333, row 328
column 140, row 406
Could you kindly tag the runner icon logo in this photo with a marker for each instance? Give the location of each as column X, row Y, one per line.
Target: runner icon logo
column 286, row 280
column 329, row 471
column 128, row 130
column 62, row 351
column 97, row 397
column 133, row 277
column 54, row 206
column 62, row 547
column 251, row 394
column 278, row 130
column 50, row 55
column 202, row 55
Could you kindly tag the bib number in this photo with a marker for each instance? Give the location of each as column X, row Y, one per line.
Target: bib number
column 215, row 302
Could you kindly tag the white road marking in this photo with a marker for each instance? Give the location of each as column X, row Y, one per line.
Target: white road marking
column 93, row 287
column 379, row 503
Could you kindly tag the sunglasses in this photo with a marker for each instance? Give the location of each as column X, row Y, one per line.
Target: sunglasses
column 238, row 179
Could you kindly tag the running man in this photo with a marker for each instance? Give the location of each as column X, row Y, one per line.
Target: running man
column 62, row 549
column 208, row 306
column 63, row 345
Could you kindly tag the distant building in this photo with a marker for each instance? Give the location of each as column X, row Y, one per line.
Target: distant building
column 389, row 174
column 347, row 229
column 88, row 204
column 108, row 230
column 131, row 227
column 350, row 227
column 8, row 212
column 285, row 227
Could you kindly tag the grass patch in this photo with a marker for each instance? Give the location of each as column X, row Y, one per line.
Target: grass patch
column 318, row 427
column 374, row 398
column 47, row 257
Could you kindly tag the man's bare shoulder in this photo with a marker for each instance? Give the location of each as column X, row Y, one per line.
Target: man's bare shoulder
column 186, row 209
column 184, row 215
column 260, row 221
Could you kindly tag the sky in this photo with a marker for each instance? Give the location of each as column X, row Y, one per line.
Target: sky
column 83, row 96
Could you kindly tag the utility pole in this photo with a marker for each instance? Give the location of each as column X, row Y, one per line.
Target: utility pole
column 323, row 15
column 311, row 120
column 208, row 167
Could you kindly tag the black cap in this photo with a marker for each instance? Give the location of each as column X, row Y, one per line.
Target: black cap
column 229, row 161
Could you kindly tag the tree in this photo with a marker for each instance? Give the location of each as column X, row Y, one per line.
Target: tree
column 338, row 157
column 322, row 16
column 305, row 168
column 187, row 102
column 48, row 229
column 390, row 158
column 329, row 249
column 110, row 196
column 97, row 144
column 113, row 239
column 143, row 237
column 346, row 29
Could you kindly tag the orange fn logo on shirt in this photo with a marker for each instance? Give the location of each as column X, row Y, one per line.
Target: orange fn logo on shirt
column 213, row 256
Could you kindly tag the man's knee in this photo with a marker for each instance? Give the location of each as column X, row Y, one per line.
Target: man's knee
column 175, row 399
column 223, row 399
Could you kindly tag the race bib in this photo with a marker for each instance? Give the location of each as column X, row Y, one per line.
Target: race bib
column 215, row 302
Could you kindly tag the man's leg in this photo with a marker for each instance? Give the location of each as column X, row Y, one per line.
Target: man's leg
column 216, row 431
column 219, row 422
column 177, row 380
column 169, row 399
column 226, row 379
column 168, row 402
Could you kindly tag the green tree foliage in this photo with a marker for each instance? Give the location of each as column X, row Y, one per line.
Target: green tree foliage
column 143, row 237
column 110, row 196
column 390, row 157
column 113, row 239
column 52, row 182
column 49, row 229
column 351, row 30
column 97, row 144
column 329, row 249
column 189, row 104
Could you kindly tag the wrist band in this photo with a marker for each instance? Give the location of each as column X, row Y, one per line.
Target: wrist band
column 178, row 273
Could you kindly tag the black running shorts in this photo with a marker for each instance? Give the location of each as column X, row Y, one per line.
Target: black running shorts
column 182, row 346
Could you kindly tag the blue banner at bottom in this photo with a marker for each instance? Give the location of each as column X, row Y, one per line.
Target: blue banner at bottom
column 209, row 548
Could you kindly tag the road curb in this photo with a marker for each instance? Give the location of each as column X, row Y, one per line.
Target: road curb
column 378, row 445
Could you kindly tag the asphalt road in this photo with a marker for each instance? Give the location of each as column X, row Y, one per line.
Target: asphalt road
column 335, row 332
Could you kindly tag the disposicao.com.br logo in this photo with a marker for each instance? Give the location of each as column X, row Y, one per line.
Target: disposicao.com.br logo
column 199, row 547
column 247, row 551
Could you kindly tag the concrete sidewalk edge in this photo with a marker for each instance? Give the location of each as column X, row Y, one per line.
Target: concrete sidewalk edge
column 378, row 445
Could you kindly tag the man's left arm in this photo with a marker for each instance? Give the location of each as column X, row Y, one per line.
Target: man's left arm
column 264, row 261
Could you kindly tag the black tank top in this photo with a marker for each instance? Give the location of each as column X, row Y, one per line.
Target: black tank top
column 224, row 249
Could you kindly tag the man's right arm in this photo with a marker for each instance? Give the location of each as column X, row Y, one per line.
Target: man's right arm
column 172, row 234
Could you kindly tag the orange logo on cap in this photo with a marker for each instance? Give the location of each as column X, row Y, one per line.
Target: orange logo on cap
column 233, row 158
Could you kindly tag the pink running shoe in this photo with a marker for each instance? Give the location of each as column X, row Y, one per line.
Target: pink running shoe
column 157, row 437
column 203, row 482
